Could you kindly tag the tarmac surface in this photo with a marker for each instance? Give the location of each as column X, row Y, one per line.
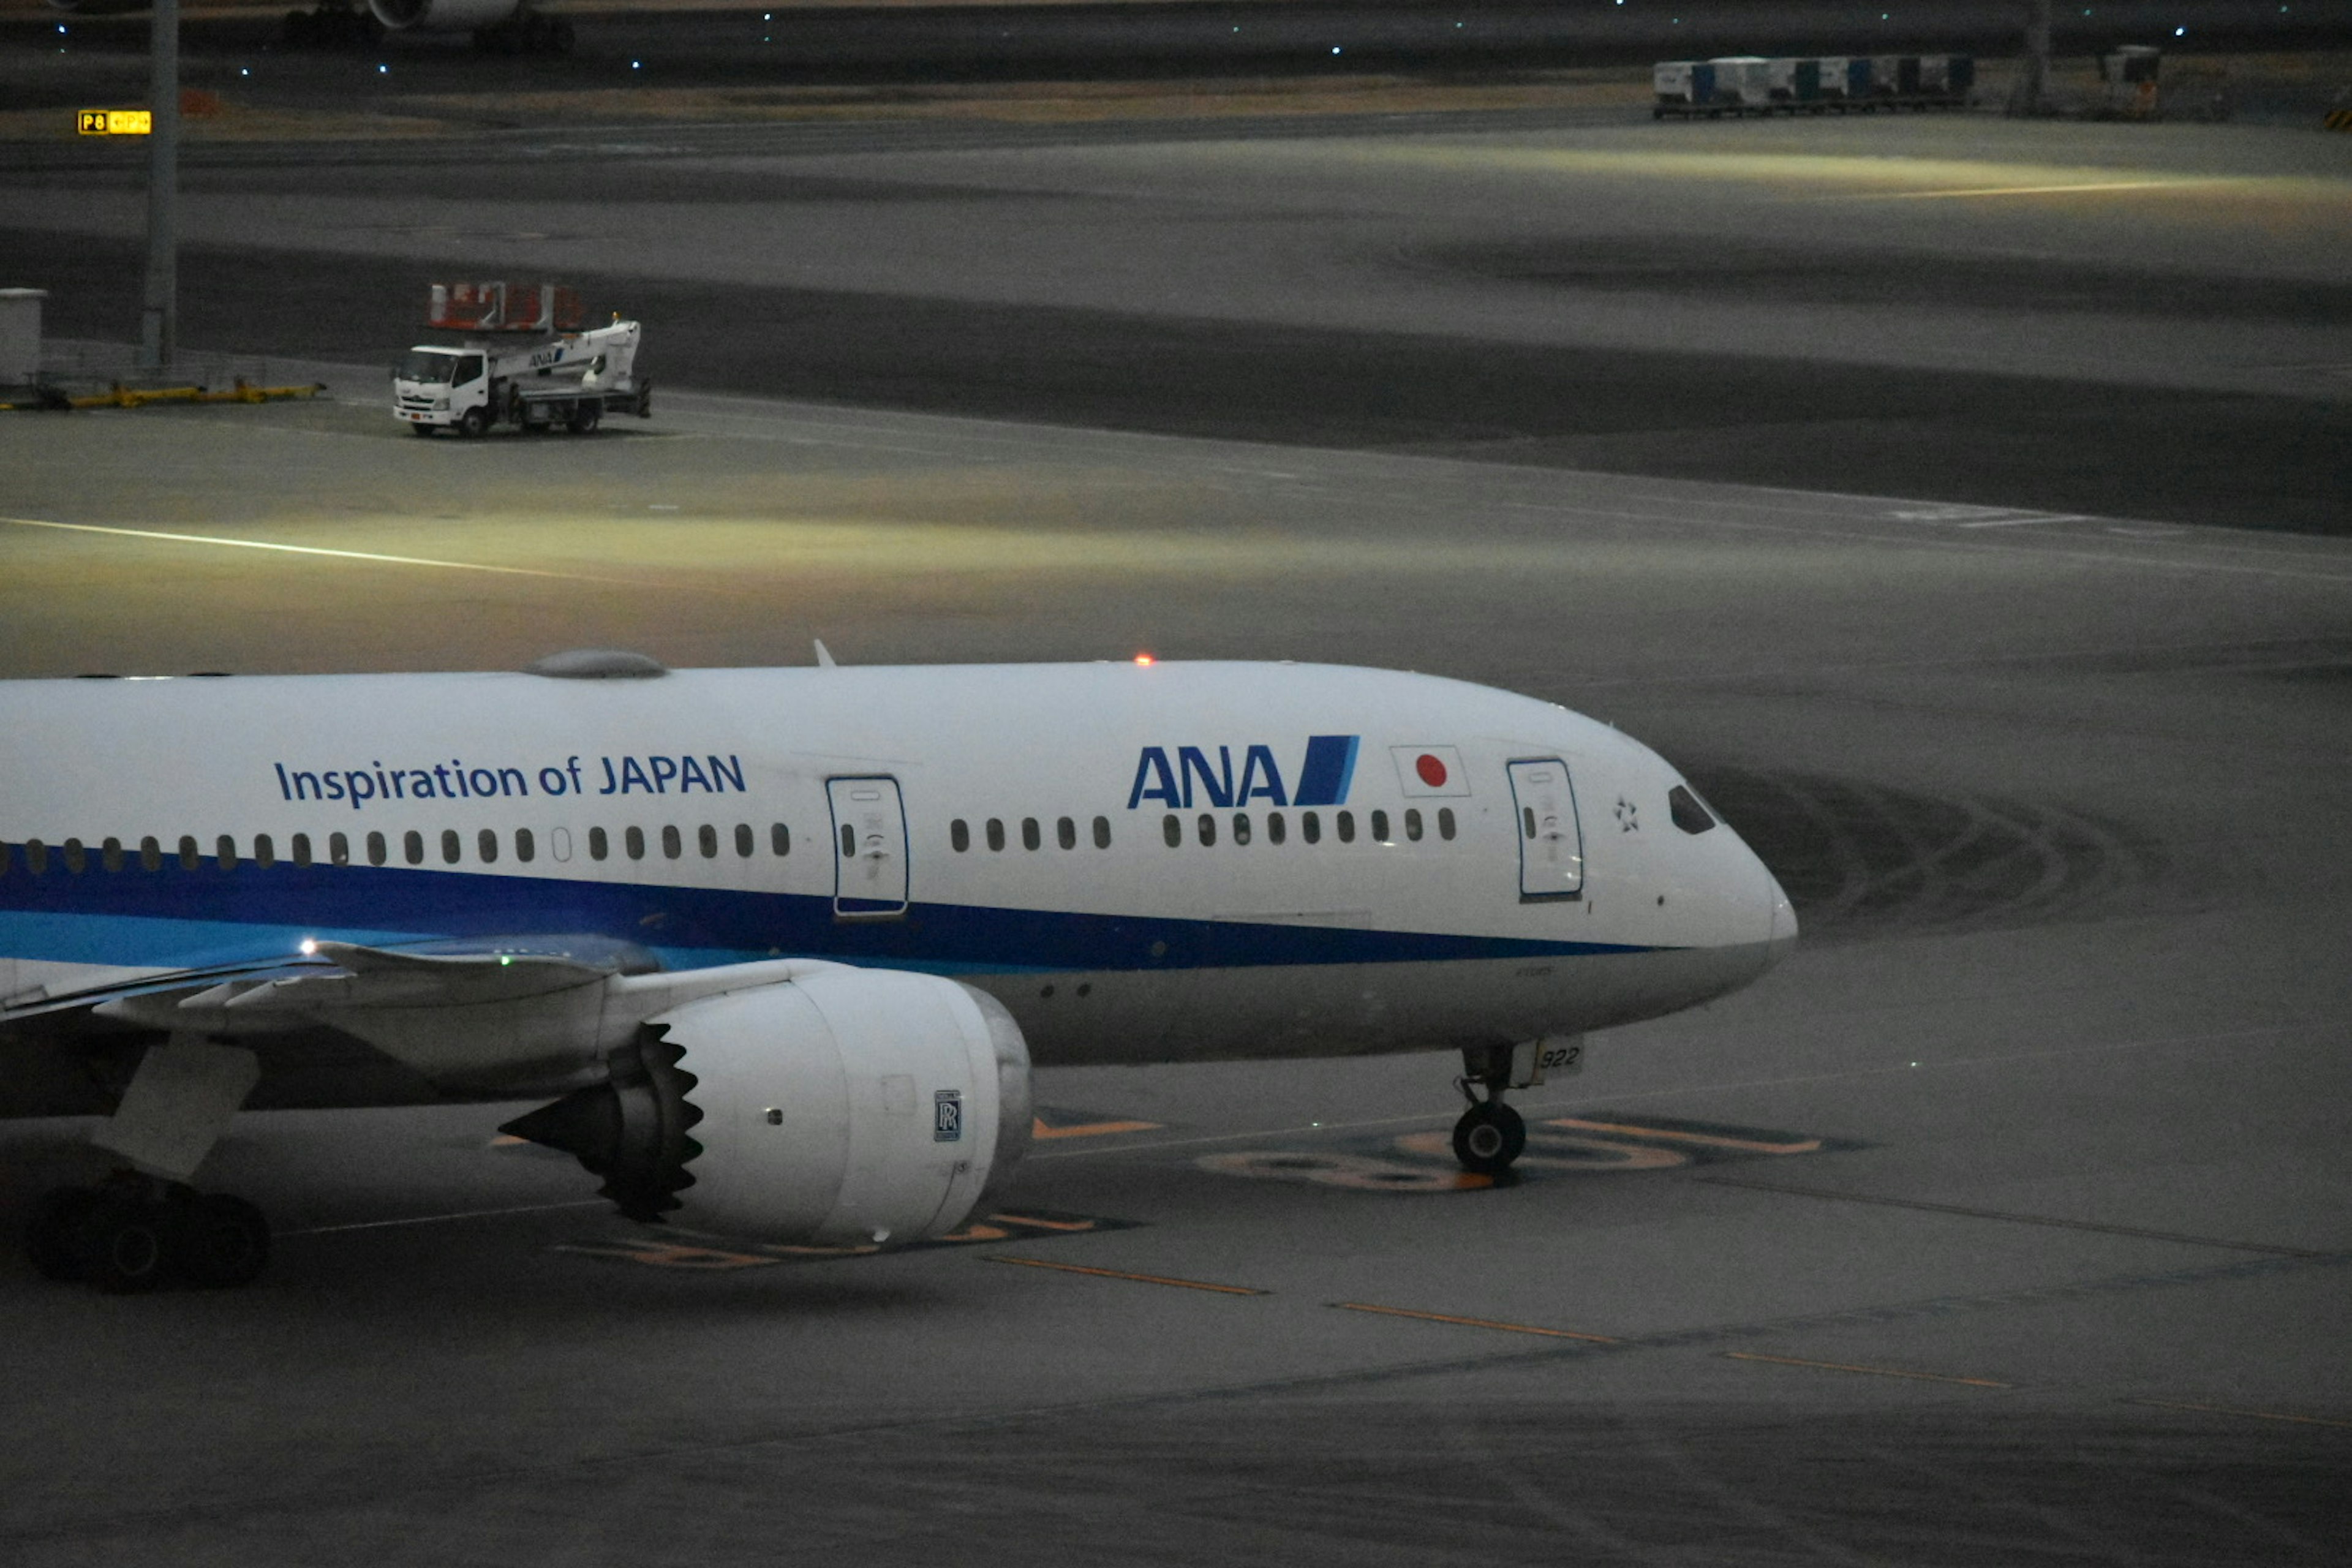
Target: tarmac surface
column 2007, row 1221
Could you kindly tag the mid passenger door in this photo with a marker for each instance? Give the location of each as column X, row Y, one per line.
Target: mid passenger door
column 1551, row 843
column 869, row 848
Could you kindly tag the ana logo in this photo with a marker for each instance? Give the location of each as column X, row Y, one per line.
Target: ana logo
column 1190, row 779
column 947, row 1115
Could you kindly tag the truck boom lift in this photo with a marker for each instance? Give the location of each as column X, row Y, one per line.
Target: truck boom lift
column 522, row 360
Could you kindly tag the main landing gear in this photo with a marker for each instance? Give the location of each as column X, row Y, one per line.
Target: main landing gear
column 132, row 1233
column 144, row 1226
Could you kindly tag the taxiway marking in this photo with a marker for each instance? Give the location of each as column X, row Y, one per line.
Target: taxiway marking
column 1477, row 1322
column 2050, row 1220
column 1871, row 1371
column 2238, row 1410
column 307, row 549
column 1123, row 1274
column 1710, row 1140
column 444, row 1218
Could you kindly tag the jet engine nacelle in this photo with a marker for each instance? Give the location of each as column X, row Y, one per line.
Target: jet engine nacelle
column 443, row 15
column 848, row 1107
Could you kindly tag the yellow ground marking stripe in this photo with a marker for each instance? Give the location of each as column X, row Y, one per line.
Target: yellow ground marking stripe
column 444, row 1218
column 302, row 550
column 1474, row 1322
column 1037, row 1129
column 2236, row 1410
column 1873, row 1370
column 1123, row 1274
column 2027, row 190
column 1065, row 1224
column 1712, row 1140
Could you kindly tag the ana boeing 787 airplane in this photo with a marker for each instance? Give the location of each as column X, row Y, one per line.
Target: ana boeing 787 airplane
column 780, row 946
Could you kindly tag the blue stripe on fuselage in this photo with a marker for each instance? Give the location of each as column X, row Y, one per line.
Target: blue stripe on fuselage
column 177, row 918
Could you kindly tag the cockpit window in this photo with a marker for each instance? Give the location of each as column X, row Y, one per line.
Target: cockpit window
column 1690, row 813
column 424, row 365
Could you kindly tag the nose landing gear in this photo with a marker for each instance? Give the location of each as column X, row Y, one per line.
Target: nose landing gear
column 1490, row 1134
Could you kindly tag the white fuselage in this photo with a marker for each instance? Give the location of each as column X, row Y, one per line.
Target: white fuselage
column 1143, row 863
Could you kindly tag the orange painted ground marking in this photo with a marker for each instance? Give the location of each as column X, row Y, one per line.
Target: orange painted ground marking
column 1873, row 1370
column 1712, row 1140
column 2234, row 1410
column 1122, row 1274
column 1037, row 1129
column 1069, row 1224
column 1474, row 1322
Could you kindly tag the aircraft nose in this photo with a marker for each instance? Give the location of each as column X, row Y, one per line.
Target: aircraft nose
column 1783, row 938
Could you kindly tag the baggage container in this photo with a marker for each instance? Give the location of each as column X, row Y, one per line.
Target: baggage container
column 1742, row 83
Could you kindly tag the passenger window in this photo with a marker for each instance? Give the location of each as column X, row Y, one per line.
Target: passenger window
column 302, row 850
column 632, row 840
column 1030, row 838
column 452, row 847
column 1689, row 813
column 1208, row 830
column 1310, row 827
column 672, row 845
column 706, row 838
column 224, row 851
column 1171, row 830
column 848, row 841
column 744, row 841
column 109, row 854
column 995, row 833
column 1380, row 828
column 1275, row 830
column 1528, row 820
column 959, row 835
column 76, row 860
column 375, row 848
column 524, row 848
column 1412, row 825
column 599, row 846
column 189, row 860
column 1102, row 832
column 1241, row 828
column 37, row 856
column 780, row 839
column 487, row 843
column 339, row 849
column 1446, row 822
column 1066, row 833
column 412, row 847
column 1347, row 820
column 151, row 856
column 264, row 853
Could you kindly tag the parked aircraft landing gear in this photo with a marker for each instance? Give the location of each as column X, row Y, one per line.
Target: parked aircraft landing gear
column 132, row 1233
column 1490, row 1134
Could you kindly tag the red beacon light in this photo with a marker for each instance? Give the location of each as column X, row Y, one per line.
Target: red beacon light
column 1145, row 659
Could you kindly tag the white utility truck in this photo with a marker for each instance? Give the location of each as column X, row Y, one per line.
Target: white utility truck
column 522, row 360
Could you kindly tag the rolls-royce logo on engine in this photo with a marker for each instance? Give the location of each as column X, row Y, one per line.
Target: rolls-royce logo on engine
column 947, row 1115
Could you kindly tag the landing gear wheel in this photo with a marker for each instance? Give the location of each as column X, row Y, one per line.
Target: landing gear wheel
column 54, row 1240
column 473, row 423
column 1489, row 1136
column 220, row 1241
column 127, row 1248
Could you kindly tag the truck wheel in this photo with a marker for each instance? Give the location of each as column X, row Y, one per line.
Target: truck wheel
column 583, row 418
column 473, row 422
